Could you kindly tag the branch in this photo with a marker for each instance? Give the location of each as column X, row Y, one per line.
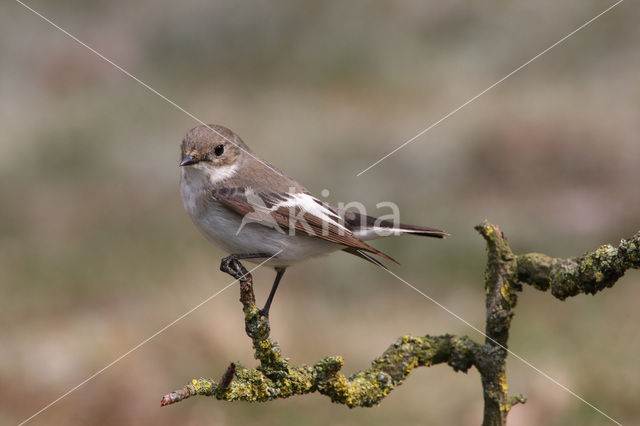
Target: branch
column 276, row 378
column 589, row 273
column 501, row 298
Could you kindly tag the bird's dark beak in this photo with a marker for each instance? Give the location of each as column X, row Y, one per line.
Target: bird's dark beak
column 188, row 160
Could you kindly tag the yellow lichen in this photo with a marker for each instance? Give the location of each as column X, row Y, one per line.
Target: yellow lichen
column 504, row 291
column 202, row 386
column 504, row 384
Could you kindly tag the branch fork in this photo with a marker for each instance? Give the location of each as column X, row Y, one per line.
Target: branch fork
column 505, row 275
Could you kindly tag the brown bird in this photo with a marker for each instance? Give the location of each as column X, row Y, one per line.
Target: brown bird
column 253, row 211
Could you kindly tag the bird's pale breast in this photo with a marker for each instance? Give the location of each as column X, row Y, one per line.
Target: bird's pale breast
column 225, row 228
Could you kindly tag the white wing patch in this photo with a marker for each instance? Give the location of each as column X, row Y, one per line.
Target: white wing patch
column 308, row 204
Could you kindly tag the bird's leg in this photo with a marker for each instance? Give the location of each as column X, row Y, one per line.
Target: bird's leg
column 256, row 326
column 279, row 273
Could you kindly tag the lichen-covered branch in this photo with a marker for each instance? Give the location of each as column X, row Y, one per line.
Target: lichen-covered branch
column 275, row 377
column 501, row 297
column 589, row 273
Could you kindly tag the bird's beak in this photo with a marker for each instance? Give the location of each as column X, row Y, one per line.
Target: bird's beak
column 188, row 160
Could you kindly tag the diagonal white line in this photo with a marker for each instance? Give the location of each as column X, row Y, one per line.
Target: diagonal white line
column 422, row 132
column 142, row 83
column 140, row 344
column 503, row 347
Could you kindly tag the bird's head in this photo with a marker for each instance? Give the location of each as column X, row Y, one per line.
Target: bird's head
column 211, row 147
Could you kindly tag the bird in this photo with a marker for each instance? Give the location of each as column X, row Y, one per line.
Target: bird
column 253, row 211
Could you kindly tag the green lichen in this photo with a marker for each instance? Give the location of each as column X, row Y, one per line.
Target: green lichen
column 587, row 274
column 203, row 386
column 275, row 377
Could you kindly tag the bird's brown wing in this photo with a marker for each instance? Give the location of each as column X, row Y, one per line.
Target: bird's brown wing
column 300, row 212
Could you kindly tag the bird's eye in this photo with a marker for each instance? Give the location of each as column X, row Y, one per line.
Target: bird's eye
column 218, row 150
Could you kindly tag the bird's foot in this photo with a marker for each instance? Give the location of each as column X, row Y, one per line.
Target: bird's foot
column 258, row 328
column 232, row 266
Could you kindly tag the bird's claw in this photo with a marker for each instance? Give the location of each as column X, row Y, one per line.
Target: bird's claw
column 233, row 267
column 259, row 330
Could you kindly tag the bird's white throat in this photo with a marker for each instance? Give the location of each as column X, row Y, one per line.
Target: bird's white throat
column 205, row 173
column 197, row 178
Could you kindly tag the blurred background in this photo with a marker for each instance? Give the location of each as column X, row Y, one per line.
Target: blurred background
column 97, row 253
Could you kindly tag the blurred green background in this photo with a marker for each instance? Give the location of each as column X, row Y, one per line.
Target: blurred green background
column 97, row 254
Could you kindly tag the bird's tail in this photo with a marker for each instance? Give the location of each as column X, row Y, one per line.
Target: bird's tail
column 423, row 231
column 369, row 228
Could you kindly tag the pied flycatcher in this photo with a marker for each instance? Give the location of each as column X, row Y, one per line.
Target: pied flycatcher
column 253, row 211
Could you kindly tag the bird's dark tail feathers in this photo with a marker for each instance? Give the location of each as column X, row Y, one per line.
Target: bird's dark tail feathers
column 370, row 228
column 423, row 231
